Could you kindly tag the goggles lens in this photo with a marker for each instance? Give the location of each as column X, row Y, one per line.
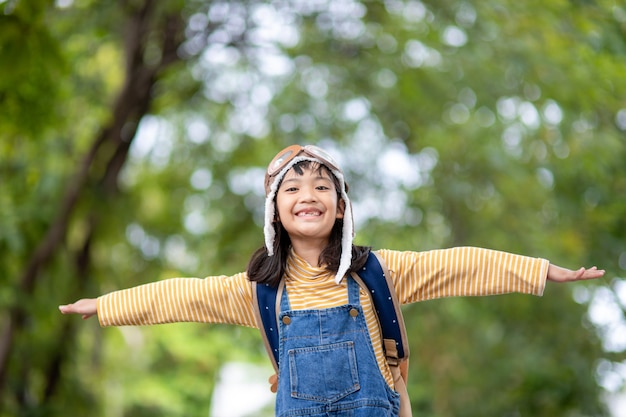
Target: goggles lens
column 323, row 156
column 282, row 159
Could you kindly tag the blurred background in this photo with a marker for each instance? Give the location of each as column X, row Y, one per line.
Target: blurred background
column 133, row 139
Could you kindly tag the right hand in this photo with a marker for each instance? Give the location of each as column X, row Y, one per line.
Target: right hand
column 87, row 307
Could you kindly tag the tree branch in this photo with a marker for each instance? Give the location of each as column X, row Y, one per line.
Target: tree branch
column 111, row 145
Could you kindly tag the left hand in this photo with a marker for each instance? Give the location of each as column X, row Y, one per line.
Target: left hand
column 559, row 274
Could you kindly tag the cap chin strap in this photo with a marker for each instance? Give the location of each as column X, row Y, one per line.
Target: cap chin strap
column 347, row 233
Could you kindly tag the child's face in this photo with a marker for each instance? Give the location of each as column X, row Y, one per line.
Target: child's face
column 307, row 205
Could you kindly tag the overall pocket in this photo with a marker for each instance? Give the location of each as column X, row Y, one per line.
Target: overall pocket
column 323, row 373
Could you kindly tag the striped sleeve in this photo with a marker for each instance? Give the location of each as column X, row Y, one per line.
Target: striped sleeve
column 218, row 299
column 463, row 271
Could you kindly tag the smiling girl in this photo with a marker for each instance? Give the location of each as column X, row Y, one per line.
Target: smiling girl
column 331, row 351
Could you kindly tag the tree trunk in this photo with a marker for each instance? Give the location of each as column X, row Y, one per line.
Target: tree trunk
column 109, row 149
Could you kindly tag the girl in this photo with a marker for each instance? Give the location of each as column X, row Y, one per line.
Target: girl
column 331, row 356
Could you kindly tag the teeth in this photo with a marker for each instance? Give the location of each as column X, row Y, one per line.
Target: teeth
column 309, row 213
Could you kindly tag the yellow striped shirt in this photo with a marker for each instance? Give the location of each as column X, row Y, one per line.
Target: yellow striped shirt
column 417, row 276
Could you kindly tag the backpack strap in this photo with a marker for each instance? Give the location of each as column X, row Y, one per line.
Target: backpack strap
column 266, row 302
column 375, row 277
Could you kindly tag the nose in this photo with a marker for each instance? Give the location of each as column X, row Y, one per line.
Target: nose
column 307, row 194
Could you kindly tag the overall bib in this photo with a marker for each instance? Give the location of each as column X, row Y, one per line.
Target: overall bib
column 327, row 363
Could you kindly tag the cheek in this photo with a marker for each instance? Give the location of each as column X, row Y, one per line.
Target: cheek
column 279, row 205
column 276, row 213
column 341, row 208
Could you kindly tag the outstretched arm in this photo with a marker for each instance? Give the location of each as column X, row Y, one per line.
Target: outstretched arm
column 87, row 307
column 559, row 274
column 215, row 299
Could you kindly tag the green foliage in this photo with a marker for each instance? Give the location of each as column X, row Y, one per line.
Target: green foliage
column 511, row 116
column 33, row 63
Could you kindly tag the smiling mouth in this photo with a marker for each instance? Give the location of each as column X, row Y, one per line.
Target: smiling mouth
column 314, row 213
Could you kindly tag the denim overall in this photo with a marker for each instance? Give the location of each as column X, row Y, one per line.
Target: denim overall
column 327, row 363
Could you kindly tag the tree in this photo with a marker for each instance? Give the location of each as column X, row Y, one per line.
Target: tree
column 134, row 135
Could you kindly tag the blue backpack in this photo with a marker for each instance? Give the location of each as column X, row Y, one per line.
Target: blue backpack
column 374, row 277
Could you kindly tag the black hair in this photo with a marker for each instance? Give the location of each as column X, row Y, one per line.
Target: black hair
column 266, row 269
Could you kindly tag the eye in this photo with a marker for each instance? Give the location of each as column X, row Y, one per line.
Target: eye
column 322, row 188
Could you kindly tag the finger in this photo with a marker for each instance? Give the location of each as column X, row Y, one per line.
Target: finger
column 596, row 273
column 580, row 273
column 593, row 273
